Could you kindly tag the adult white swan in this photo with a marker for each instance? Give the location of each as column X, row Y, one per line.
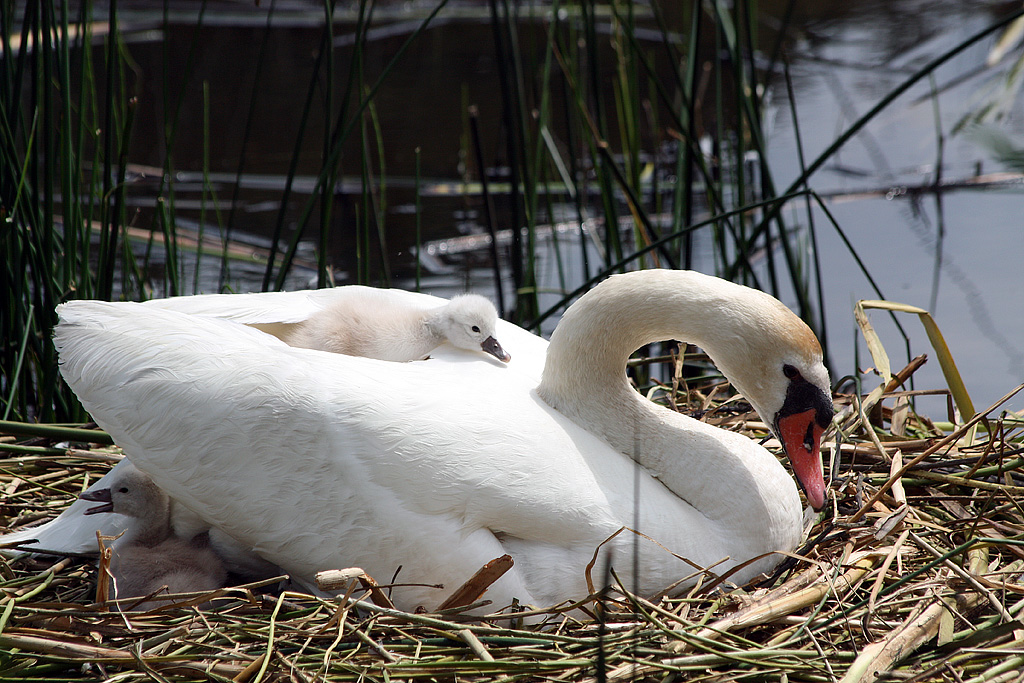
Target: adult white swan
column 321, row 461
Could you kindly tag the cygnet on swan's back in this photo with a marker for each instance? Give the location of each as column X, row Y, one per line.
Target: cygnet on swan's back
column 375, row 326
column 148, row 555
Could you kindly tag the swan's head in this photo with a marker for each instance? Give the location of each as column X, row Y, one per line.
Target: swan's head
column 468, row 322
column 131, row 493
column 777, row 365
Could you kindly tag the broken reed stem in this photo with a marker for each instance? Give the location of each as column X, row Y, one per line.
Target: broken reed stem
column 963, row 574
column 919, row 628
column 82, row 653
column 475, row 645
column 777, row 603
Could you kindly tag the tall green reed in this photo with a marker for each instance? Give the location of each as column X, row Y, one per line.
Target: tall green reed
column 696, row 90
column 617, row 133
column 340, row 123
column 63, row 147
column 68, row 99
column 598, row 116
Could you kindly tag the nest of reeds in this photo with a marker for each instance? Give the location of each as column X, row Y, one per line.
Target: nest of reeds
column 913, row 573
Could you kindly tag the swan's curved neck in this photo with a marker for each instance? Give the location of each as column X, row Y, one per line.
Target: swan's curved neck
column 725, row 476
column 587, row 356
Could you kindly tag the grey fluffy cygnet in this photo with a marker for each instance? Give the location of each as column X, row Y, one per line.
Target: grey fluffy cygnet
column 376, row 327
column 148, row 555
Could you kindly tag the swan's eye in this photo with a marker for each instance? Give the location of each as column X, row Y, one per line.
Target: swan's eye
column 123, row 489
column 790, row 372
column 476, row 329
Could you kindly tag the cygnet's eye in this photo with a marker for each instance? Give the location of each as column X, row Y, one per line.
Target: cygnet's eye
column 476, row 329
column 790, row 372
column 123, row 489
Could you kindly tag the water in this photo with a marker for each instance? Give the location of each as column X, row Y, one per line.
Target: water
column 845, row 58
column 969, row 277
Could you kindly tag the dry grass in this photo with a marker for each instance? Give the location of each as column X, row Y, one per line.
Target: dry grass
column 913, row 574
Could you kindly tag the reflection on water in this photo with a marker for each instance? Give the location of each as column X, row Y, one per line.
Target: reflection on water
column 949, row 250
column 955, row 252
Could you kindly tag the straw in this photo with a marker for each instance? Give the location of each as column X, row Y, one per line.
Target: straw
column 925, row 587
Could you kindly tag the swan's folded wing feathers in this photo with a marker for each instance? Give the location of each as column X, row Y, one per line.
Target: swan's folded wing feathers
column 244, row 398
column 187, row 421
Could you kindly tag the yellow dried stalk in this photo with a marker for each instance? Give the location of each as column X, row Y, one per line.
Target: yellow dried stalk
column 950, row 372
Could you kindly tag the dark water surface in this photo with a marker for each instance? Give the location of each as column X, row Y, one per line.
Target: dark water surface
column 957, row 252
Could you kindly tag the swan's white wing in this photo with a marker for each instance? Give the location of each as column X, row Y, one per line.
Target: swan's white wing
column 324, row 461
column 72, row 531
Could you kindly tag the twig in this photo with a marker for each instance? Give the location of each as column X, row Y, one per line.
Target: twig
column 929, row 451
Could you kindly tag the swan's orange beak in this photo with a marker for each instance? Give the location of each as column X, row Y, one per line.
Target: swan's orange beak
column 800, row 434
column 491, row 346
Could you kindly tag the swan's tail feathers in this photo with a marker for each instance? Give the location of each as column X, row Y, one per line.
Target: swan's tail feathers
column 71, row 532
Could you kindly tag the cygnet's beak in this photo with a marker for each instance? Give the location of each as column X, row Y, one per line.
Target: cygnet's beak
column 491, row 346
column 98, row 496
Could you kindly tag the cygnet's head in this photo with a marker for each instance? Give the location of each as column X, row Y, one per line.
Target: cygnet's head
column 132, row 493
column 469, row 321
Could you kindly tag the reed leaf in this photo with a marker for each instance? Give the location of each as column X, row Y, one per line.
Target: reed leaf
column 950, row 372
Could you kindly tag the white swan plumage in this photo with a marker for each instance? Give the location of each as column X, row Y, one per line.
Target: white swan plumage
column 393, row 324
column 321, row 461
